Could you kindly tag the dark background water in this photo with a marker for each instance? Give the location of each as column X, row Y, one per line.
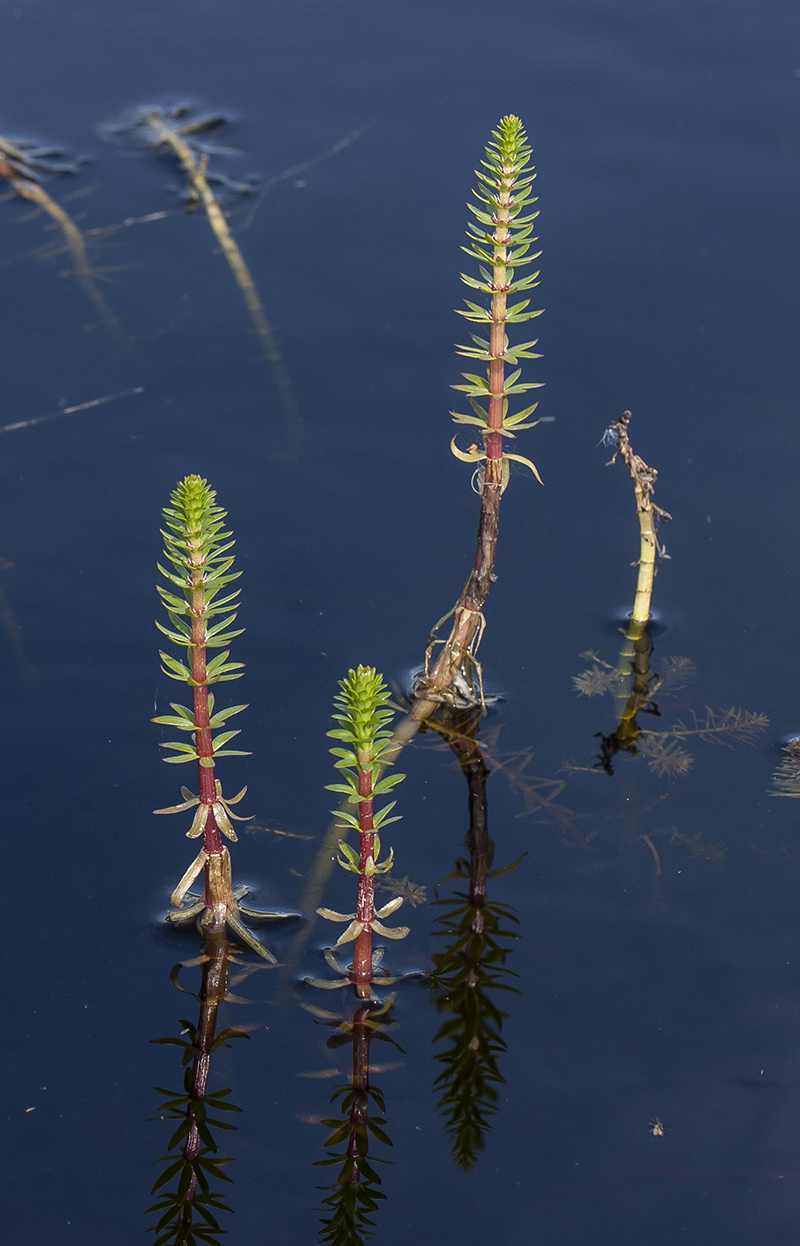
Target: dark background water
column 667, row 139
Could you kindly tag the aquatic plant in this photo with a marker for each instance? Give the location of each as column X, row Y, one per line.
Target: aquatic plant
column 197, row 551
column 176, row 131
column 187, row 1212
column 21, row 163
column 500, row 238
column 362, row 716
column 634, row 686
column 630, row 681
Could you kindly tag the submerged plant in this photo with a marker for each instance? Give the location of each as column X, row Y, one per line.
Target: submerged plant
column 500, row 238
column 634, row 686
column 197, row 550
column 362, row 719
column 174, row 130
column 21, row 163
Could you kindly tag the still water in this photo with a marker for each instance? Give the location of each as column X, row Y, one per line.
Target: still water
column 646, row 1064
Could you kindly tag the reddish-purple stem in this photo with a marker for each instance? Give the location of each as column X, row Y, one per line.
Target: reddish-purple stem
column 207, row 791
column 365, row 912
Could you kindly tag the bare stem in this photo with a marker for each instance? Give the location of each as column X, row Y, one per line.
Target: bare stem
column 644, row 480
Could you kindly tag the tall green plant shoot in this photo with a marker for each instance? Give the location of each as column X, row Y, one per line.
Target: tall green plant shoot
column 362, row 716
column 500, row 239
column 199, row 572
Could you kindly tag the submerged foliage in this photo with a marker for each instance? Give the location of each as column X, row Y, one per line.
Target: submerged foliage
column 673, row 674
column 180, row 126
column 665, row 757
column 728, row 727
column 633, row 685
column 24, row 158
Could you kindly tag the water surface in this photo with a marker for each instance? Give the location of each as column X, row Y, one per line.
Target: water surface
column 667, row 143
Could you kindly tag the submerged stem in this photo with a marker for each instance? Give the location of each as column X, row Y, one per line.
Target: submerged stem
column 30, row 189
column 195, row 170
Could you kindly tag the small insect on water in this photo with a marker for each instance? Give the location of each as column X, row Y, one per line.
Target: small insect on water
column 657, row 1128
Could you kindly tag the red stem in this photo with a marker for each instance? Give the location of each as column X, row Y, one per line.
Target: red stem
column 494, row 440
column 365, row 912
column 212, row 840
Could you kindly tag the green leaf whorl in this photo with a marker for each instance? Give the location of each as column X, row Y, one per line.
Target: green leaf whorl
column 500, row 238
column 199, row 567
column 197, row 547
column 362, row 719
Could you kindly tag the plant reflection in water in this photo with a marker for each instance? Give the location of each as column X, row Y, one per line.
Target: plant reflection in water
column 362, row 717
column 471, row 968
column 188, row 1212
column 354, row 1196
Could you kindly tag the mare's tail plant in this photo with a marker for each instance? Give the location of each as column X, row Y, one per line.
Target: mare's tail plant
column 500, row 240
column 199, row 573
column 362, row 716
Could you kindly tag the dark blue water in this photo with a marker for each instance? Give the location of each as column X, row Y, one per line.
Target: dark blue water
column 667, row 140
